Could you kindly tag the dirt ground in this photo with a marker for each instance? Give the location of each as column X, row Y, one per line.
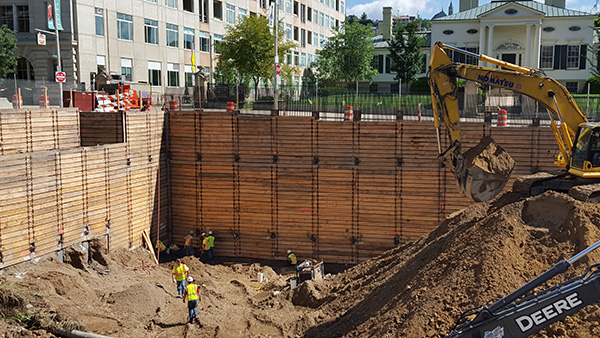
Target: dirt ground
column 418, row 289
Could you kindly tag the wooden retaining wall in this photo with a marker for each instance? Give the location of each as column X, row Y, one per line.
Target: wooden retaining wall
column 338, row 191
column 54, row 192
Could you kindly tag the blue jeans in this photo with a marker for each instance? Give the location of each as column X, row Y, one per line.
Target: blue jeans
column 211, row 253
column 180, row 286
column 192, row 306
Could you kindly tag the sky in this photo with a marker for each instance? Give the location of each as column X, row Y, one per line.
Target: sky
column 428, row 8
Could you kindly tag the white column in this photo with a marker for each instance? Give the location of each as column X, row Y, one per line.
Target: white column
column 490, row 47
column 537, row 45
column 528, row 46
column 481, row 41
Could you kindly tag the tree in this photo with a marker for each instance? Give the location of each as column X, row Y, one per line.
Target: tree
column 8, row 47
column 248, row 50
column 365, row 21
column 405, row 51
column 347, row 55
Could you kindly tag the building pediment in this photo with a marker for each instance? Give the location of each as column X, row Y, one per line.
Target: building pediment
column 510, row 10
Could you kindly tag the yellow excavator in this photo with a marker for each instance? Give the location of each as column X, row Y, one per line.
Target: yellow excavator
column 482, row 171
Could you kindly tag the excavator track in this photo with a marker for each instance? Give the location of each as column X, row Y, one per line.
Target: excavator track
column 585, row 190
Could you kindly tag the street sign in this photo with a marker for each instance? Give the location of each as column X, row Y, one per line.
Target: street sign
column 41, row 39
column 60, row 77
column 278, row 68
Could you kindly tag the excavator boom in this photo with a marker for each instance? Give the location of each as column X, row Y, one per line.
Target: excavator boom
column 483, row 171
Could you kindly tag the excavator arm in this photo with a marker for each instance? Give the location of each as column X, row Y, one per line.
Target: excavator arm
column 478, row 182
column 511, row 317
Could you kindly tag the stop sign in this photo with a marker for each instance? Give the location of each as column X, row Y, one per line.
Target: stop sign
column 278, row 68
column 60, row 77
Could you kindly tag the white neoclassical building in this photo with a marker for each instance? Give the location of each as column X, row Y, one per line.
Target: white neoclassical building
column 528, row 33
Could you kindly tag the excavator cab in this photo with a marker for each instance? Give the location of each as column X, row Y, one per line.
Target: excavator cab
column 586, row 150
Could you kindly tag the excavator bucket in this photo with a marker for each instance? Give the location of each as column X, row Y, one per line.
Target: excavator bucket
column 484, row 170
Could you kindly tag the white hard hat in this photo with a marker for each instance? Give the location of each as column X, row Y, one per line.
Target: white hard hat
column 204, row 234
column 210, row 232
column 289, row 251
column 190, row 279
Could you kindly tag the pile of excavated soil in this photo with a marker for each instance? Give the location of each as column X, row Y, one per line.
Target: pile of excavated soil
column 418, row 289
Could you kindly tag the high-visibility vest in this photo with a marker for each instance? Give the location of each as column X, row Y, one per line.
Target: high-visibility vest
column 205, row 244
column 180, row 272
column 188, row 240
column 211, row 240
column 159, row 245
column 292, row 258
column 192, row 292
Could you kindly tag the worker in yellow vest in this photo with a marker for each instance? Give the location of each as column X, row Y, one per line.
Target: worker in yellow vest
column 205, row 247
column 187, row 246
column 211, row 240
column 192, row 291
column 180, row 272
column 159, row 246
column 292, row 258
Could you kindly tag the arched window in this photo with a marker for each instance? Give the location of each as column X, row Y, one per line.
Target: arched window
column 24, row 69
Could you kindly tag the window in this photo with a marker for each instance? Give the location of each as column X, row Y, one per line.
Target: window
column 23, row 18
column 218, row 10
column 171, row 3
column 331, row 23
column 326, row 20
column 302, row 13
column 151, row 31
column 188, row 38
column 288, row 58
column 263, row 3
column 296, row 8
column 218, row 40
column 572, row 87
column 310, row 60
column 303, row 37
column 321, row 19
column 6, row 16
column 316, row 39
column 342, row 7
column 204, row 11
column 124, row 26
column 152, row 1
column 327, row 3
column 230, row 14
column 288, row 31
column 296, row 58
column 573, row 56
column 126, row 68
column 172, row 74
column 288, row 6
column 154, row 73
column 471, row 59
column 316, row 17
column 303, row 59
column 188, row 5
column 309, row 37
column 99, row 18
column 309, row 14
column 296, row 37
column 189, row 76
column 242, row 13
column 172, row 35
column 101, row 61
column 204, row 42
column 547, row 57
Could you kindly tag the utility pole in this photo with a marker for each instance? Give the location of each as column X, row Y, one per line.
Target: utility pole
column 59, row 65
column 275, row 87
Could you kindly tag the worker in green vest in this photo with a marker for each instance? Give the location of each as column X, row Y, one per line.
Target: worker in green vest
column 292, row 258
column 192, row 293
column 211, row 240
column 187, row 245
column 180, row 272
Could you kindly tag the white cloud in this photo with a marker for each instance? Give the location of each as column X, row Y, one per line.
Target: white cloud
column 425, row 8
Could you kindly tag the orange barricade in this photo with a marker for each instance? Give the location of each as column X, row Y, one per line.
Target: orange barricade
column 502, row 118
column 230, row 107
column 44, row 102
column 17, row 103
column 173, row 105
column 349, row 114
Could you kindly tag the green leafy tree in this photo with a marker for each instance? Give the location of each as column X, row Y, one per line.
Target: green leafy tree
column 364, row 20
column 405, row 51
column 8, row 47
column 347, row 55
column 247, row 50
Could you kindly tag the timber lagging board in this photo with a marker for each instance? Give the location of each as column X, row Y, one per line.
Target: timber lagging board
column 334, row 190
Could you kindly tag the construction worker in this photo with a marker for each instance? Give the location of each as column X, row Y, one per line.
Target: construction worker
column 292, row 258
column 187, row 246
column 160, row 247
column 211, row 240
column 180, row 272
column 192, row 291
column 206, row 247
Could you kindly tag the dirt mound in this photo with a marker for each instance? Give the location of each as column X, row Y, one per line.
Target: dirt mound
column 484, row 252
column 418, row 289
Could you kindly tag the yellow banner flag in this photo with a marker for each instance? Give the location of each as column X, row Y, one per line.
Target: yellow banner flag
column 193, row 62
